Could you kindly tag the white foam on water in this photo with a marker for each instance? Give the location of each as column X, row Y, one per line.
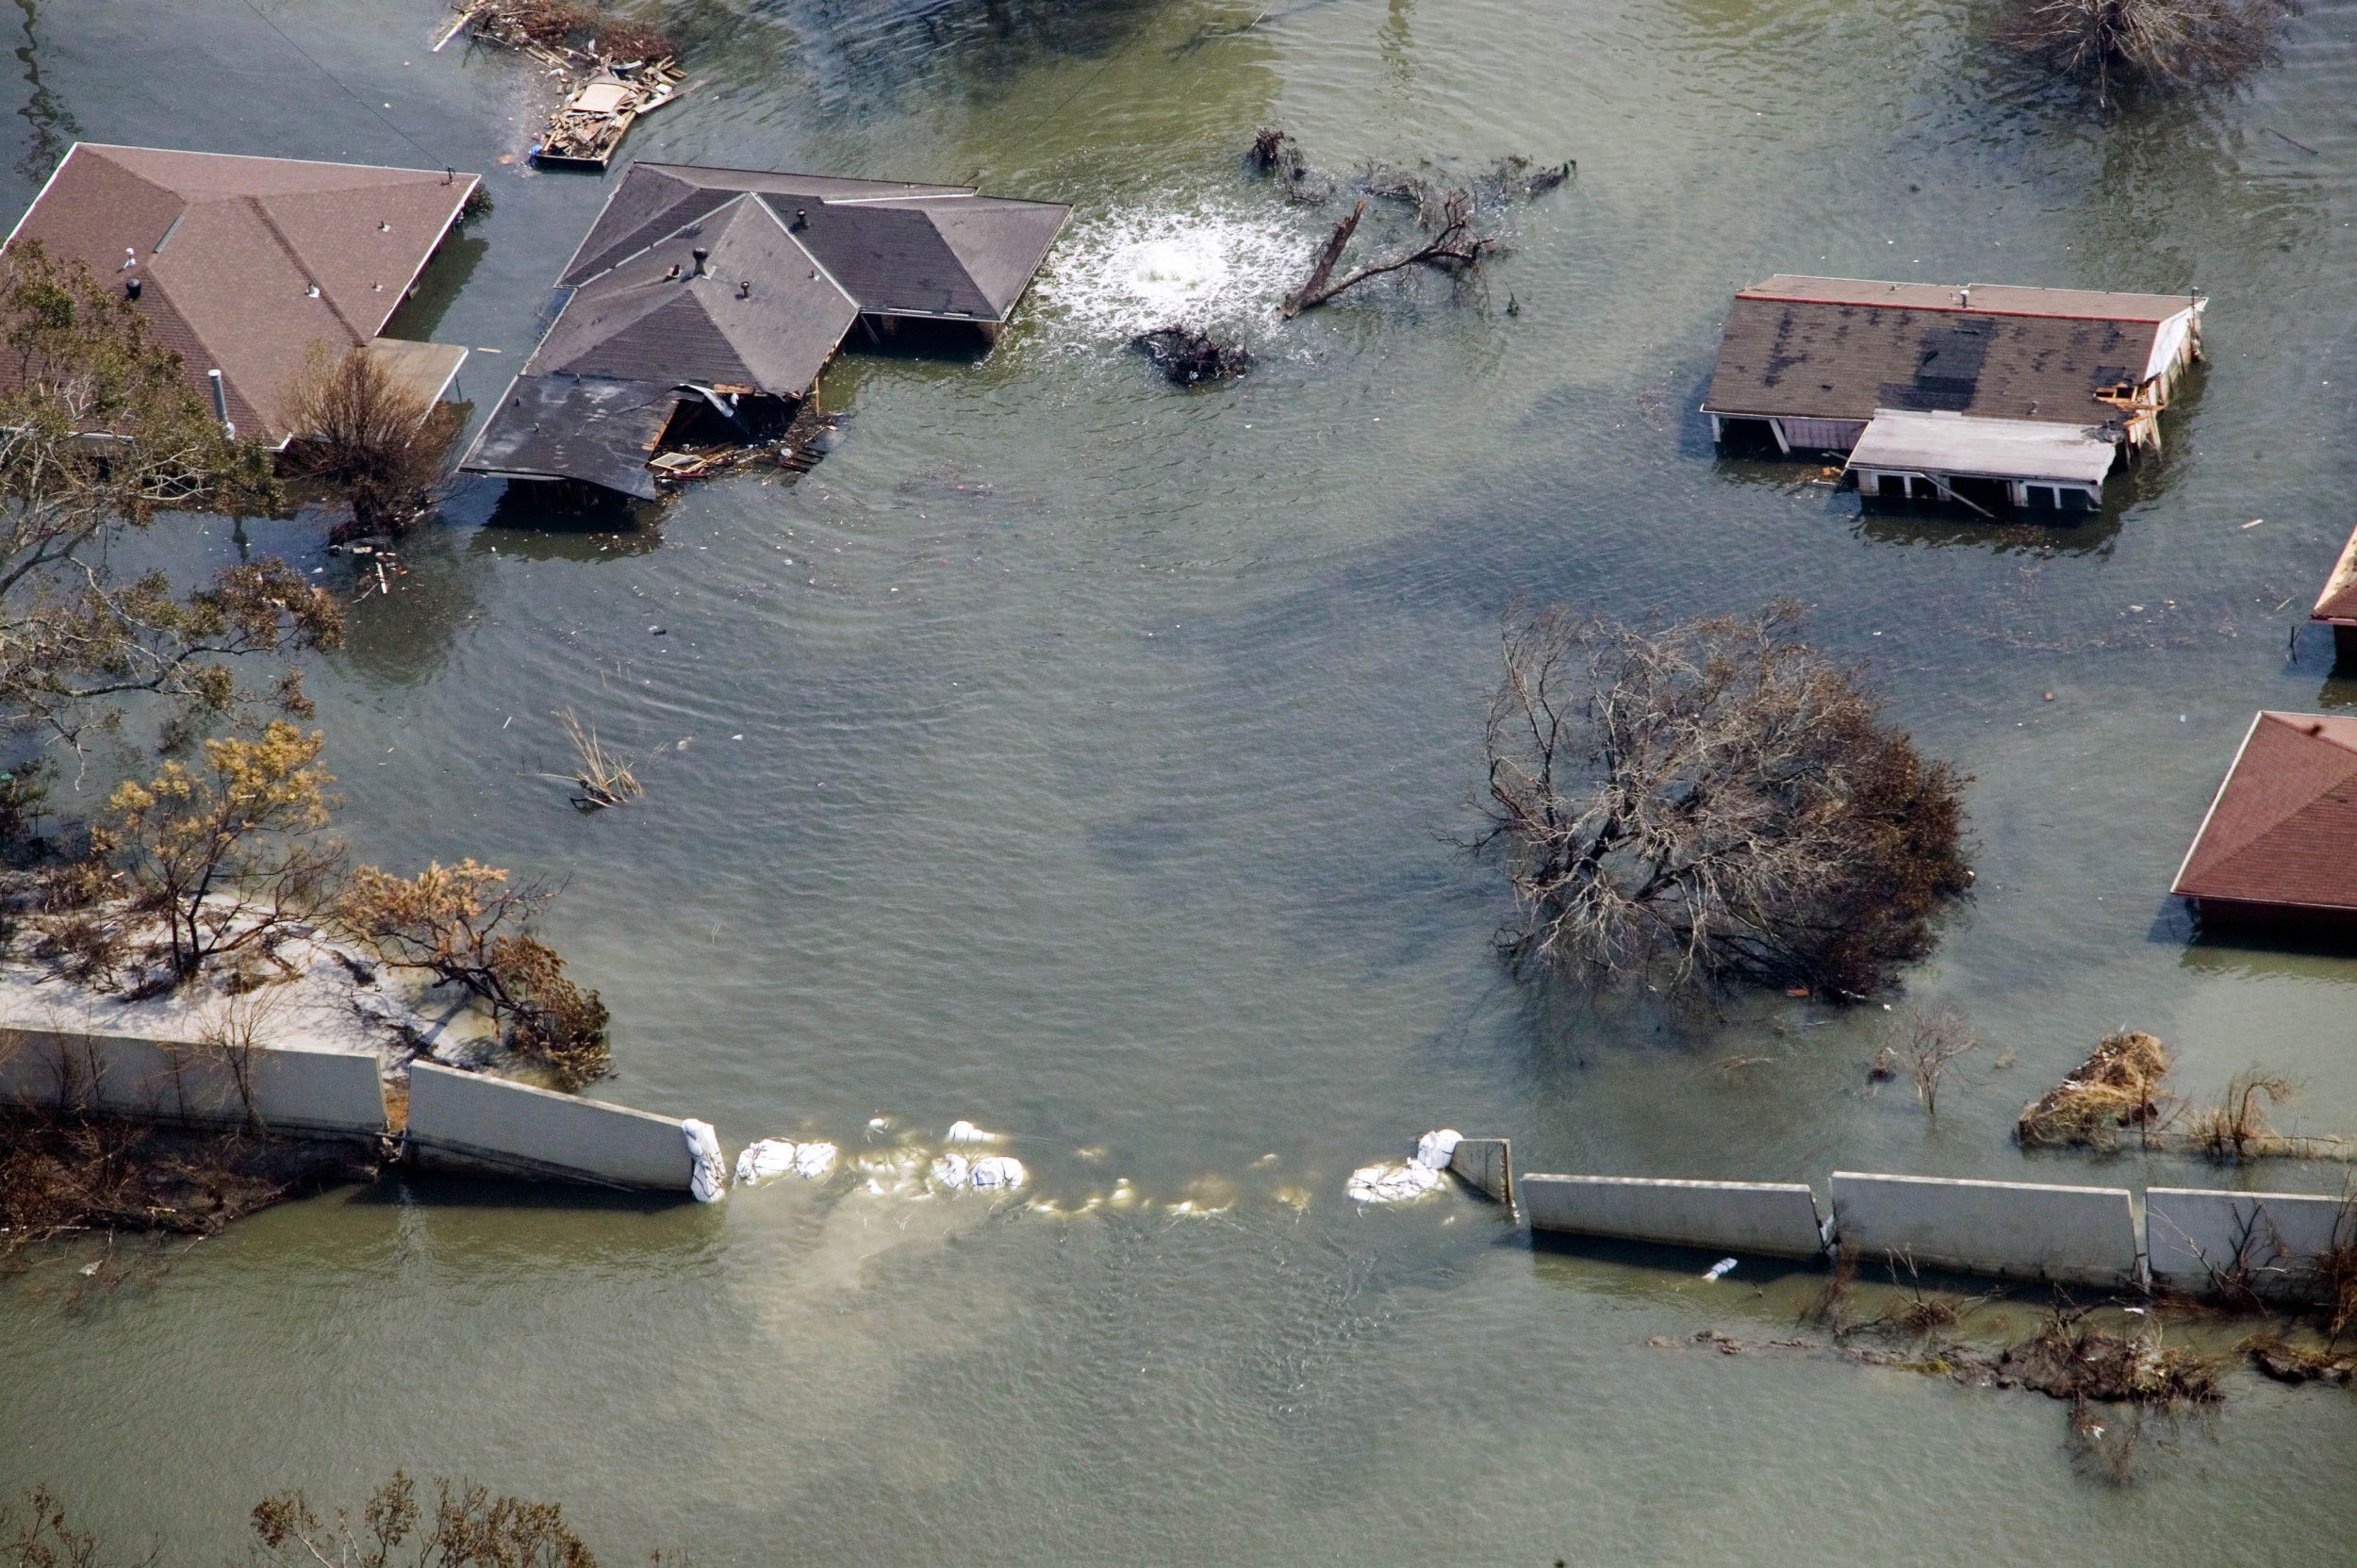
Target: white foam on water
column 1130, row 270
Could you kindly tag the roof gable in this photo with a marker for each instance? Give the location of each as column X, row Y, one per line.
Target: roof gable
column 759, row 316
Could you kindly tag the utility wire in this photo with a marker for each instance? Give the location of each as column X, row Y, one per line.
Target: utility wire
column 430, row 155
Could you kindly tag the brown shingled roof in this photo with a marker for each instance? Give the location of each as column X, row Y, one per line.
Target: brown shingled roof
column 2282, row 830
column 228, row 250
column 1839, row 349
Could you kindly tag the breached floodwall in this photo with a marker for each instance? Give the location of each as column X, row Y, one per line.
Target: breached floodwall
column 2012, row 1229
column 2267, row 1243
column 1486, row 1165
column 316, row 1092
column 474, row 1122
column 1774, row 1219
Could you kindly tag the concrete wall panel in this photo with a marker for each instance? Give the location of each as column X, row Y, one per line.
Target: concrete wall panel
column 1486, row 1165
column 2012, row 1229
column 289, row 1091
column 1776, row 1218
column 2196, row 1238
column 472, row 1122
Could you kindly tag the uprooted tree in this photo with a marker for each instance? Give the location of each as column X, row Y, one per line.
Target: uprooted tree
column 370, row 437
column 467, row 925
column 2150, row 43
column 100, row 429
column 1711, row 803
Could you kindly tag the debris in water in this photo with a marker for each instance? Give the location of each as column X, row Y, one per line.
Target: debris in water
column 1186, row 357
column 1393, row 1183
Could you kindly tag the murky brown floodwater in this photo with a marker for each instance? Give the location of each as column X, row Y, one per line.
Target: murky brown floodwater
column 1074, row 755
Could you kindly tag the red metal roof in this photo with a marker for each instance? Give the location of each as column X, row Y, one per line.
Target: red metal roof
column 2282, row 830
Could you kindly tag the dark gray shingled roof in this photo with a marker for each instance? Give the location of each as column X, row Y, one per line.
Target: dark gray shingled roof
column 1839, row 349
column 760, row 319
column 595, row 429
column 898, row 248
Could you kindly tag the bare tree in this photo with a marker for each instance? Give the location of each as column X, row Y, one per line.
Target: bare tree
column 1714, row 802
column 1935, row 1040
column 467, row 1528
column 2153, row 43
column 100, row 428
column 372, row 438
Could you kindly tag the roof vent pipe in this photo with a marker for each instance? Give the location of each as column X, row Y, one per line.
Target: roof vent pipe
column 220, row 403
column 131, row 288
column 701, row 254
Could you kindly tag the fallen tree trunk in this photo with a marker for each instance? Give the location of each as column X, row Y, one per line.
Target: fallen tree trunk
column 1315, row 291
column 1455, row 245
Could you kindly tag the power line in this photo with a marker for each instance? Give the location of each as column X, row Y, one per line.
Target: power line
column 430, row 155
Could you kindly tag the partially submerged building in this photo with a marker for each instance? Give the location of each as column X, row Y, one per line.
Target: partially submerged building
column 2336, row 606
column 2278, row 844
column 241, row 265
column 708, row 301
column 1983, row 395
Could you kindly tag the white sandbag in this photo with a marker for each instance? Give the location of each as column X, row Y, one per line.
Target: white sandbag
column 711, row 1182
column 774, row 1156
column 759, row 1161
column 950, row 1170
column 1433, row 1149
column 1393, row 1183
column 997, row 1170
column 967, row 1132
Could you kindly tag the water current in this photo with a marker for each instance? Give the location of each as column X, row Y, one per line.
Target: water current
column 1080, row 756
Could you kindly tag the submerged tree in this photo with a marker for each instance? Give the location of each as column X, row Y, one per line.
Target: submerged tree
column 372, row 438
column 100, row 429
column 1709, row 804
column 2151, row 42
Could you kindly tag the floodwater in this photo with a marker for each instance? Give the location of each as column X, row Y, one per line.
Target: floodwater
column 1080, row 756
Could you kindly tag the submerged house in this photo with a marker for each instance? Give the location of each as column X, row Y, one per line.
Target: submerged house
column 2336, row 606
column 707, row 301
column 2278, row 844
column 241, row 265
column 1982, row 395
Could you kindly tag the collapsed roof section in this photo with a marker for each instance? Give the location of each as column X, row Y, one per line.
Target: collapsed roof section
column 725, row 283
column 245, row 263
column 590, row 428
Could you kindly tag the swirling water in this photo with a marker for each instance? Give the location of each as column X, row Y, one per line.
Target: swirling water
column 1080, row 756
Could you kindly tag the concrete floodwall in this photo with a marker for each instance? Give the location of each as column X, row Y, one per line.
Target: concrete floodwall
column 1776, row 1218
column 1486, row 1165
column 2013, row 1229
column 2204, row 1241
column 475, row 1122
column 312, row 1092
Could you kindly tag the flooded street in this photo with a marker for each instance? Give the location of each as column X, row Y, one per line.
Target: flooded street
column 1083, row 757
